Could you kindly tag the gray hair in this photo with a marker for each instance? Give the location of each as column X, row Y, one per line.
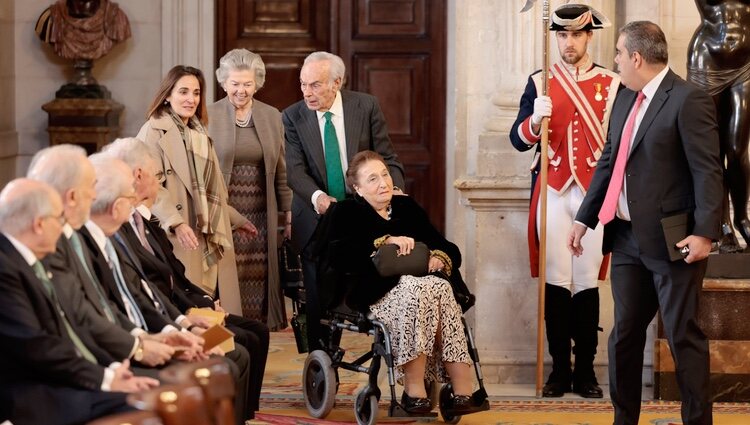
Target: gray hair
column 336, row 65
column 131, row 151
column 648, row 39
column 59, row 166
column 113, row 180
column 241, row 60
column 21, row 201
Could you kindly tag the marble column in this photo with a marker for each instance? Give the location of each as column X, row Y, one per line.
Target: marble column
column 496, row 48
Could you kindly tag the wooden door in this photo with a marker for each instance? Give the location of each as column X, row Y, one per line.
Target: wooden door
column 393, row 49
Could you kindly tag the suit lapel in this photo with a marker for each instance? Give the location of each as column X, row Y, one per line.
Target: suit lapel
column 311, row 132
column 353, row 119
column 654, row 106
column 67, row 248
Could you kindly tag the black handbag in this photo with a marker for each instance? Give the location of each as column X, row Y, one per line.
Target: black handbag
column 290, row 266
column 389, row 263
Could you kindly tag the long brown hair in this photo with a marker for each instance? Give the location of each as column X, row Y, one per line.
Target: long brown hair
column 160, row 105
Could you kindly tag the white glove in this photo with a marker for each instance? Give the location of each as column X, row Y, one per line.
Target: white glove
column 542, row 108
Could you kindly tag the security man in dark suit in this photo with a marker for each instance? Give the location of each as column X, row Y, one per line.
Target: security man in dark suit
column 661, row 161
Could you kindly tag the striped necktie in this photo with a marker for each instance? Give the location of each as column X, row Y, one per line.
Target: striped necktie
column 80, row 346
column 75, row 241
column 134, row 312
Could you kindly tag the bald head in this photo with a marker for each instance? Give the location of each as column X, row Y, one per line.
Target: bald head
column 31, row 212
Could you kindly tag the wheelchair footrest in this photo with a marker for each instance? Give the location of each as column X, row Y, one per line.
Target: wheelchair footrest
column 395, row 410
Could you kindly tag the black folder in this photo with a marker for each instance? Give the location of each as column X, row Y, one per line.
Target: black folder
column 676, row 228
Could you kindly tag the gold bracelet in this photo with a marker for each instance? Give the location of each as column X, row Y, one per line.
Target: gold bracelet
column 380, row 241
column 442, row 256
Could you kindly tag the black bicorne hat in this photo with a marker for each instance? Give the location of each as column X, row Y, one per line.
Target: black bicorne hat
column 577, row 17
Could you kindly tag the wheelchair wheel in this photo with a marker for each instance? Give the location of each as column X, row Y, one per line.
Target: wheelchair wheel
column 446, row 394
column 319, row 384
column 366, row 408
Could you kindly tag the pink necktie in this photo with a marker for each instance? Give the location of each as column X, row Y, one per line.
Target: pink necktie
column 141, row 231
column 609, row 206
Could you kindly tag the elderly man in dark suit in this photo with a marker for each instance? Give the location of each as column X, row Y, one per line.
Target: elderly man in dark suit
column 323, row 133
column 67, row 169
column 661, row 161
column 50, row 370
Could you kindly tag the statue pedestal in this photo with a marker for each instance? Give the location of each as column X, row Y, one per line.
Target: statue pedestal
column 723, row 316
column 90, row 123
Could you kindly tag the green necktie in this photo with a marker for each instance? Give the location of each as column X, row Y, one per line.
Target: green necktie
column 334, row 170
column 76, row 242
column 42, row 275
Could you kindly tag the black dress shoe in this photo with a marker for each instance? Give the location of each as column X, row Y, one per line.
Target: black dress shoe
column 461, row 404
column 588, row 390
column 555, row 389
column 415, row 405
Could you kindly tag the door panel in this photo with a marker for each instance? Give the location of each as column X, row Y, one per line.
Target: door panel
column 393, row 49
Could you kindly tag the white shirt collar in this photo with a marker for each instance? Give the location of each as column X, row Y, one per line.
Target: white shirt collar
column 67, row 231
column 649, row 90
column 22, row 249
column 337, row 109
column 145, row 212
column 99, row 237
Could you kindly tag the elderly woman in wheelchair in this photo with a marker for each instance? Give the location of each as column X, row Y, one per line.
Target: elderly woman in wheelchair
column 428, row 340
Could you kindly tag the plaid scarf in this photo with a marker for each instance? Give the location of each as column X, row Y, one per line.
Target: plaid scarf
column 208, row 190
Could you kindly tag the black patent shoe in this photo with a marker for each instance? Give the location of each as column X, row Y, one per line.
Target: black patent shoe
column 588, row 390
column 415, row 405
column 554, row 389
column 462, row 404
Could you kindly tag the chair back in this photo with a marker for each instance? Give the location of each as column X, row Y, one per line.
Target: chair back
column 130, row 418
column 182, row 404
column 215, row 379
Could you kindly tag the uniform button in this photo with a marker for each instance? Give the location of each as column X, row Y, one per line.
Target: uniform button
column 575, row 157
column 575, row 148
column 576, row 139
column 576, row 114
column 169, row 171
column 575, row 122
column 575, row 167
column 575, row 131
column 179, row 207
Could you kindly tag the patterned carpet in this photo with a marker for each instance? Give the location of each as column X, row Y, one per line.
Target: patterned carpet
column 282, row 402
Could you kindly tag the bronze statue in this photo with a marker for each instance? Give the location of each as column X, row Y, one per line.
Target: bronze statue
column 83, row 30
column 719, row 62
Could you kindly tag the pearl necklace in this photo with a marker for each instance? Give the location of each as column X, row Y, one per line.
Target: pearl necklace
column 243, row 123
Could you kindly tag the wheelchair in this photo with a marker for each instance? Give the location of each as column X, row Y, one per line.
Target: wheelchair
column 320, row 377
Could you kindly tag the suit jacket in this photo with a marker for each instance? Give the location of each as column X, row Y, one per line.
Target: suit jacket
column 36, row 345
column 673, row 166
column 154, row 319
column 267, row 121
column 71, row 281
column 305, row 162
column 174, row 205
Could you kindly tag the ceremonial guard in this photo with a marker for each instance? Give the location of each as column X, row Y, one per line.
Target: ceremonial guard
column 581, row 94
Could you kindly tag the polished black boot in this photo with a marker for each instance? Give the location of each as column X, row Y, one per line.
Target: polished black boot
column 557, row 316
column 586, row 337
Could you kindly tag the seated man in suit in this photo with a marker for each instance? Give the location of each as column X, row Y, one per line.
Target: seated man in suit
column 67, row 169
column 46, row 361
column 162, row 268
column 118, row 269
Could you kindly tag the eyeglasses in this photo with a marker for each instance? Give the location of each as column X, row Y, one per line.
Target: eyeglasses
column 60, row 218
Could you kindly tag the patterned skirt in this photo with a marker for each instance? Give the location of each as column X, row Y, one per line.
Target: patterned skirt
column 247, row 194
column 423, row 318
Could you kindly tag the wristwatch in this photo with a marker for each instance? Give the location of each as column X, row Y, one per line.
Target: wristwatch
column 138, row 356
